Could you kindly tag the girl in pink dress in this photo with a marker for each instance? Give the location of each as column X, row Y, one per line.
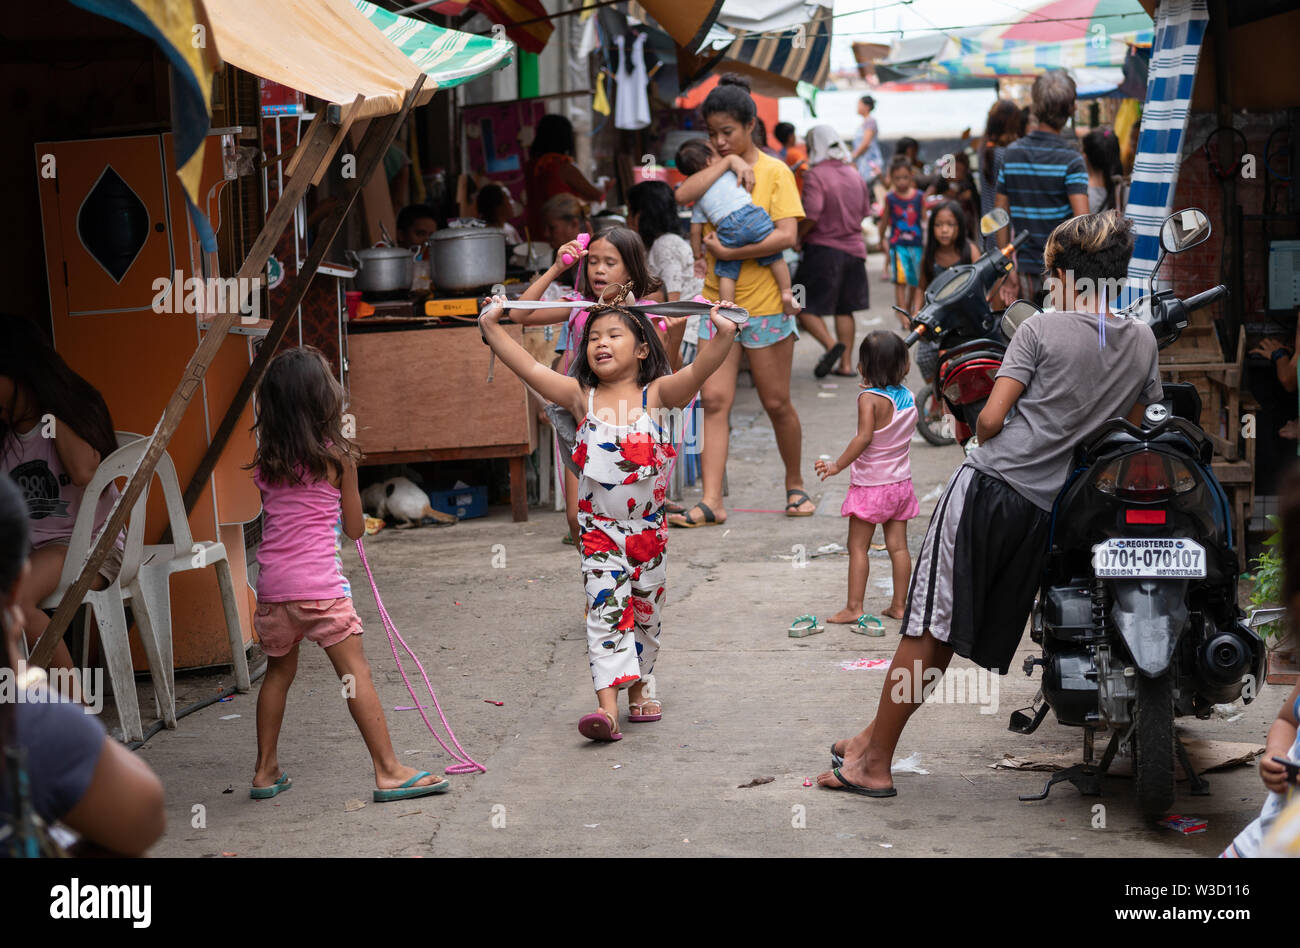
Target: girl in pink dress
column 880, row 476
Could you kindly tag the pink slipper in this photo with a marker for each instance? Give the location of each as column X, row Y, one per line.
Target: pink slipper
column 637, row 711
column 596, row 726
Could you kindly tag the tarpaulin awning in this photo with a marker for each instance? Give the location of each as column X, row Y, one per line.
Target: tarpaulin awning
column 448, row 57
column 334, row 51
column 686, row 21
column 526, row 21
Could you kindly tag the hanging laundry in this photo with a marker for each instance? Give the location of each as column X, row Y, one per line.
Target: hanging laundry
column 632, row 98
column 599, row 101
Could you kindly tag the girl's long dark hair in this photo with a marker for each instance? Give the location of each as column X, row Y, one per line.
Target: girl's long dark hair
column 1101, row 148
column 932, row 241
column 28, row 359
column 653, row 366
column 1005, row 123
column 300, row 419
column 656, row 211
column 632, row 250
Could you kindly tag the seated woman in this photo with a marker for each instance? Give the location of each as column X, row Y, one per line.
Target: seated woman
column 74, row 772
column 54, row 431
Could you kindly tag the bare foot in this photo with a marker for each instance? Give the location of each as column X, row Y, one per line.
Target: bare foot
column 845, row 616
column 267, row 776
column 394, row 778
column 894, row 612
column 856, row 745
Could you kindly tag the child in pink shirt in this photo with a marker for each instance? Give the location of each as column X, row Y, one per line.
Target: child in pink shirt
column 307, row 472
column 880, row 476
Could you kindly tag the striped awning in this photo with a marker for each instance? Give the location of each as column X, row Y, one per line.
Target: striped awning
column 780, row 62
column 448, row 57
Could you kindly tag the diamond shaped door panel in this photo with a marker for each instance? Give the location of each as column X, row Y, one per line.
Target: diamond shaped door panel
column 112, row 218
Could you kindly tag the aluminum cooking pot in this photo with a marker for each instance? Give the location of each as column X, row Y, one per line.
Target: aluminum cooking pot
column 468, row 258
column 384, row 269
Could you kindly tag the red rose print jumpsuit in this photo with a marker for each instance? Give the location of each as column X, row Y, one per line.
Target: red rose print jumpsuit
column 620, row 513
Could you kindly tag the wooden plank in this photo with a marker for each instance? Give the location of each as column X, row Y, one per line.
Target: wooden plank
column 198, row 364
column 448, row 454
column 370, row 157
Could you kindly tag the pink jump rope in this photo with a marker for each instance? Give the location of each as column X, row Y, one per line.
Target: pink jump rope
column 465, row 764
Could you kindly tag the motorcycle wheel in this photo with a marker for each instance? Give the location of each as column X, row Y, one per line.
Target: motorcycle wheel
column 1153, row 746
column 929, row 417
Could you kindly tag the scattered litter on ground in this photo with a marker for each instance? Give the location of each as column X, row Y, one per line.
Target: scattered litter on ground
column 933, row 493
column 230, row 854
column 807, row 782
column 886, row 845
column 756, row 782
column 725, row 532
column 866, row 664
column 409, row 707
column 1229, row 711
column 353, row 805
column 967, row 779
column 226, row 698
column 911, row 764
column 412, row 813
column 826, row 549
column 616, row 766
column 591, row 826
column 830, row 384
column 1187, row 825
column 1206, row 756
column 877, row 546
column 229, row 789
column 230, row 717
column 825, row 394
column 499, row 704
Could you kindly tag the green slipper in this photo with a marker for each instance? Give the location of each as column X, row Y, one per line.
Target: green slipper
column 407, row 790
column 805, row 626
column 265, row 793
column 868, row 625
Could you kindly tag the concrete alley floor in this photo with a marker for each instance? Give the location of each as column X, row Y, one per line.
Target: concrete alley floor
column 742, row 701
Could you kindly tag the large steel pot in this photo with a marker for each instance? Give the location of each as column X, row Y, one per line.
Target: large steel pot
column 384, row 269
column 467, row 258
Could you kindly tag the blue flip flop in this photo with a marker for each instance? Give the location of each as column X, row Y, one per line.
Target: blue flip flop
column 265, row 793
column 407, row 790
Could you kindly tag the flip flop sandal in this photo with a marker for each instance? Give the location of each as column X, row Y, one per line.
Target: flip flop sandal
column 596, row 726
column 710, row 518
column 640, row 718
column 265, row 793
column 836, row 760
column 868, row 625
column 409, row 791
column 675, row 509
column 828, row 359
column 792, row 507
column 864, row 791
column 845, row 375
column 805, row 626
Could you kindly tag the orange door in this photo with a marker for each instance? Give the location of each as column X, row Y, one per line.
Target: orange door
column 113, row 221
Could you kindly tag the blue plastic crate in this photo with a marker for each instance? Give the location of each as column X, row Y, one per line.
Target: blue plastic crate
column 466, row 503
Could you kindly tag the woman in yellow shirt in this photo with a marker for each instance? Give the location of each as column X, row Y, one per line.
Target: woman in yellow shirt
column 769, row 336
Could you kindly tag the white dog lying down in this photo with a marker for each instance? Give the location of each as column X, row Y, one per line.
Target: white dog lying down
column 401, row 500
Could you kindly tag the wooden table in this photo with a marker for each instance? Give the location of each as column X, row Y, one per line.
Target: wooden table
column 421, row 394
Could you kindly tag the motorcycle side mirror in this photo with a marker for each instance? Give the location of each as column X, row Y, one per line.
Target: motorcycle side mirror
column 1016, row 314
column 1184, row 229
column 994, row 221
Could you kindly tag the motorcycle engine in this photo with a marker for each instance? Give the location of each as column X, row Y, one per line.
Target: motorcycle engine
column 1116, row 687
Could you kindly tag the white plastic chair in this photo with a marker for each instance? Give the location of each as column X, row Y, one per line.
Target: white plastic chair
column 107, row 604
column 150, row 594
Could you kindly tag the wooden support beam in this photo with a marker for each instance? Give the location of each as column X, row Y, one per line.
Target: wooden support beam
column 318, row 141
column 370, row 157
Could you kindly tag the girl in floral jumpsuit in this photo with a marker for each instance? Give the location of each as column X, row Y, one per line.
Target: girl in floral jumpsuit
column 619, row 382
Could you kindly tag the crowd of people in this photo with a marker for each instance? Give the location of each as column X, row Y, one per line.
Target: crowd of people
column 617, row 366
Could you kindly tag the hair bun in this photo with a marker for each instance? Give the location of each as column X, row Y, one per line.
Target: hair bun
column 735, row 79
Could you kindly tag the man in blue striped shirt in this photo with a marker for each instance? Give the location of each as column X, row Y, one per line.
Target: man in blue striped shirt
column 1042, row 183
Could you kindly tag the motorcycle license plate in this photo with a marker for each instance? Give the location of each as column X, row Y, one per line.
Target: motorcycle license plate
column 1156, row 558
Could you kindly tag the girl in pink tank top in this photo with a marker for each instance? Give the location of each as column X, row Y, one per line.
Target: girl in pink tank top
column 880, row 477
column 306, row 470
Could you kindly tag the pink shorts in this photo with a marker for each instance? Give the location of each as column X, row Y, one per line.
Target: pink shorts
column 881, row 504
column 282, row 625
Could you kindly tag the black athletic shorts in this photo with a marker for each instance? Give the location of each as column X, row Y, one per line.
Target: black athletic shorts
column 834, row 282
column 975, row 579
